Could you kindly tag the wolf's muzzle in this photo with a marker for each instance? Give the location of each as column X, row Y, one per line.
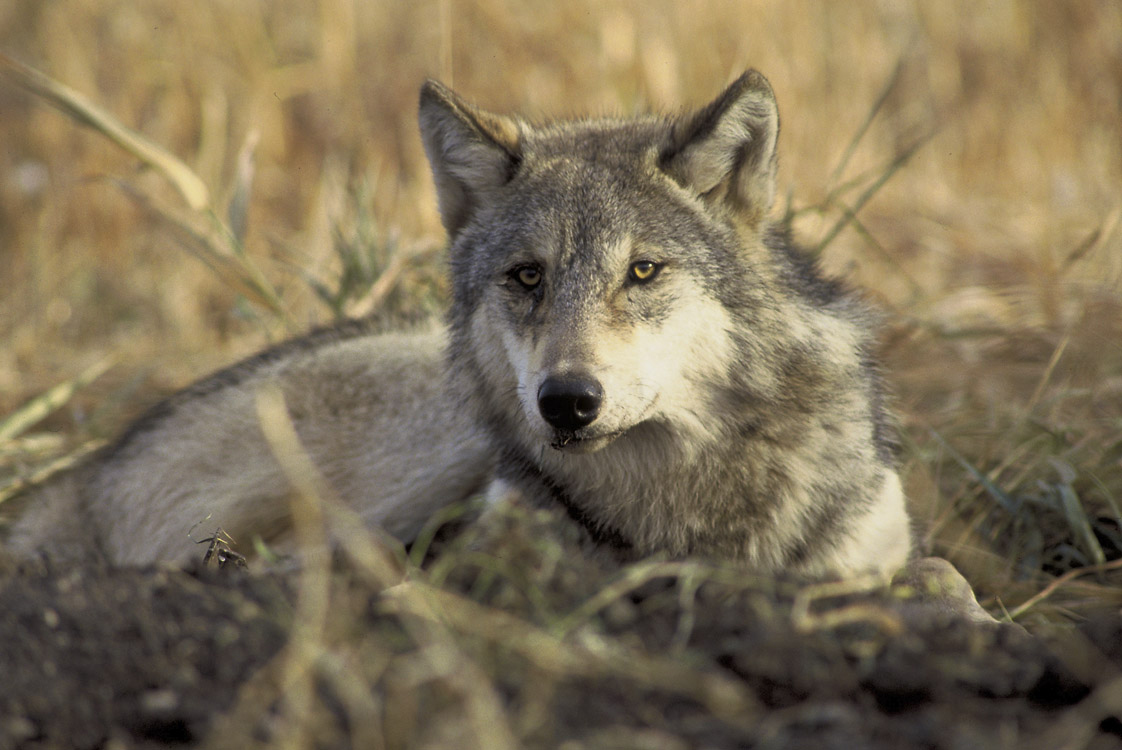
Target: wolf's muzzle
column 569, row 402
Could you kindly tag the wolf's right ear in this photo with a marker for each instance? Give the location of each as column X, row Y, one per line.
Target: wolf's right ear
column 725, row 152
column 472, row 152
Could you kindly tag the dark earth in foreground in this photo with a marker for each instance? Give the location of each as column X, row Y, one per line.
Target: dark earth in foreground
column 145, row 658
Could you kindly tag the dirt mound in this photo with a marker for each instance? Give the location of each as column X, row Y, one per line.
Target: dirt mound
column 529, row 646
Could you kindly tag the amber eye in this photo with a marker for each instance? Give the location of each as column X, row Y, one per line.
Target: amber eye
column 528, row 276
column 643, row 270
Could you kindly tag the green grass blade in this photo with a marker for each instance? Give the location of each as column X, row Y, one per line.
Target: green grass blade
column 1002, row 498
column 1075, row 514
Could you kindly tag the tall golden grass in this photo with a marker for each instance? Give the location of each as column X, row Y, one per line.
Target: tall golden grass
column 995, row 250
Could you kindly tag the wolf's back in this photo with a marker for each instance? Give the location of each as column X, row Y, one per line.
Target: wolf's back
column 365, row 406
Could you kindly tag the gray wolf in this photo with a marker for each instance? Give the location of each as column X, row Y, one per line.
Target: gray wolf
column 630, row 338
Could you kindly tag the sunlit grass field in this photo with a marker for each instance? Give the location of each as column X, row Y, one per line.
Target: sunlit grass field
column 960, row 161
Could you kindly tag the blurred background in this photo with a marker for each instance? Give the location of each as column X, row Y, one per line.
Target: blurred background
column 961, row 161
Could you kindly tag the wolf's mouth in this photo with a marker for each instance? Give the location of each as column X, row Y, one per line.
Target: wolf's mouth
column 574, row 442
column 585, row 440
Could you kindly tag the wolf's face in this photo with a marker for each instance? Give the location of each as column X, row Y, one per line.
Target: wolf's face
column 588, row 298
column 595, row 263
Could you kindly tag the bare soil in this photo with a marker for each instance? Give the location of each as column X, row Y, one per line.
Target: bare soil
column 146, row 658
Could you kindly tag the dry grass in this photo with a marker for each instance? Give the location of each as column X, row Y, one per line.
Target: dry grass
column 995, row 250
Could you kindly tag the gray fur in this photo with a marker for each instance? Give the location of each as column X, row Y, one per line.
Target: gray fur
column 714, row 394
column 741, row 414
column 361, row 401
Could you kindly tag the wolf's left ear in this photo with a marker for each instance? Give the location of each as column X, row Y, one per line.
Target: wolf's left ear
column 726, row 150
column 472, row 152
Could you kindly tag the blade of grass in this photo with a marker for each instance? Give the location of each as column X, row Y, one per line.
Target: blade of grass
column 8, row 491
column 1093, row 241
column 252, row 282
column 237, row 212
column 234, row 269
column 889, row 257
column 1055, row 585
column 589, row 657
column 1047, row 375
column 632, row 578
column 1075, row 514
column 1107, row 496
column 850, row 213
column 402, row 258
column 38, row 408
column 424, row 539
column 869, row 117
column 81, row 109
column 806, row 621
column 1006, row 502
column 308, row 638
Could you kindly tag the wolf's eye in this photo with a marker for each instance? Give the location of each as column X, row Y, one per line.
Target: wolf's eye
column 643, row 270
column 527, row 276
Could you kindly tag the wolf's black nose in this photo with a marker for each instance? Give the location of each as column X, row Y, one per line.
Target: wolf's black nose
column 569, row 402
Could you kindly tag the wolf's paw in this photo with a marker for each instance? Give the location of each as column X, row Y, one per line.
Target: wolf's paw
column 933, row 586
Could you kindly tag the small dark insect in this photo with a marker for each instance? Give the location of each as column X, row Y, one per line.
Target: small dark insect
column 219, row 552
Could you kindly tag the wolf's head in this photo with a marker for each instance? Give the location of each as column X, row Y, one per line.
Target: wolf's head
column 597, row 264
